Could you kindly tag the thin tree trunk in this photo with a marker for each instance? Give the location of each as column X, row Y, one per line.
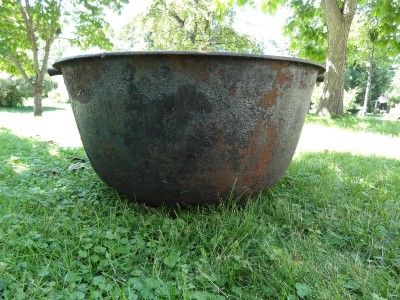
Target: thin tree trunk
column 38, row 85
column 367, row 90
column 37, row 100
column 39, row 68
column 338, row 21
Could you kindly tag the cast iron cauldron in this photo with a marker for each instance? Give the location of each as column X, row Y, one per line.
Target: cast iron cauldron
column 188, row 127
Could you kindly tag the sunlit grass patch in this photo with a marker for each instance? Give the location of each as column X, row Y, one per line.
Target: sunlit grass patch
column 368, row 124
column 328, row 230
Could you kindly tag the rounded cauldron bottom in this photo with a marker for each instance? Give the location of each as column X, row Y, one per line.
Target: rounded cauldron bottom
column 166, row 128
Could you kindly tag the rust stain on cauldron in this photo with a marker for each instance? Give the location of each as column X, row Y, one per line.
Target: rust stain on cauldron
column 225, row 175
column 282, row 77
column 212, row 172
column 256, row 157
column 269, row 99
column 202, row 72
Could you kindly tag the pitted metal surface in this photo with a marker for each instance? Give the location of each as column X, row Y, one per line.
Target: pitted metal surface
column 184, row 128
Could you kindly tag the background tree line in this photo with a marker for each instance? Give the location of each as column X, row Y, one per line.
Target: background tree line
column 358, row 41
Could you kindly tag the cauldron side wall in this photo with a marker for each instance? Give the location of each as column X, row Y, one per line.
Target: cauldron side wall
column 166, row 130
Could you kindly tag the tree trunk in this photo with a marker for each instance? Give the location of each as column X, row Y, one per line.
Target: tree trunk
column 338, row 22
column 367, row 90
column 332, row 96
column 37, row 100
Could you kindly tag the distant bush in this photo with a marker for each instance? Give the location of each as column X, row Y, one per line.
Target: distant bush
column 349, row 100
column 356, row 77
column 14, row 90
column 27, row 92
column 57, row 96
column 316, row 96
column 394, row 100
column 10, row 94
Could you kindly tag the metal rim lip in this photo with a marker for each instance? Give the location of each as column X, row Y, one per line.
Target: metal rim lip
column 61, row 61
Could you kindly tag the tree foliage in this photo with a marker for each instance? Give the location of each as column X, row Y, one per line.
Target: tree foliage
column 186, row 25
column 376, row 32
column 356, row 77
column 307, row 30
column 10, row 94
column 13, row 90
column 26, row 90
column 372, row 53
column 386, row 15
column 28, row 28
column 313, row 23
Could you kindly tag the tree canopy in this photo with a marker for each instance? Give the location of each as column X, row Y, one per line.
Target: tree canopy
column 186, row 25
column 307, row 29
column 28, row 28
column 319, row 30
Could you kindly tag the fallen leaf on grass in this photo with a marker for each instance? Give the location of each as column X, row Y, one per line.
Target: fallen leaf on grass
column 76, row 167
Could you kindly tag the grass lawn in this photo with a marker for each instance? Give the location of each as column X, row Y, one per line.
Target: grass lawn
column 329, row 230
column 28, row 109
column 369, row 124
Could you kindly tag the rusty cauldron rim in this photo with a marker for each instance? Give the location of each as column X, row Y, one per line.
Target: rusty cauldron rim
column 58, row 63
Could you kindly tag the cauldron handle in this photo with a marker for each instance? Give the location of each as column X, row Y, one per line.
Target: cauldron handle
column 53, row 71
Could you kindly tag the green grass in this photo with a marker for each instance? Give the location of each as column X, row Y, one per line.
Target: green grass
column 329, row 230
column 369, row 124
column 28, row 109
